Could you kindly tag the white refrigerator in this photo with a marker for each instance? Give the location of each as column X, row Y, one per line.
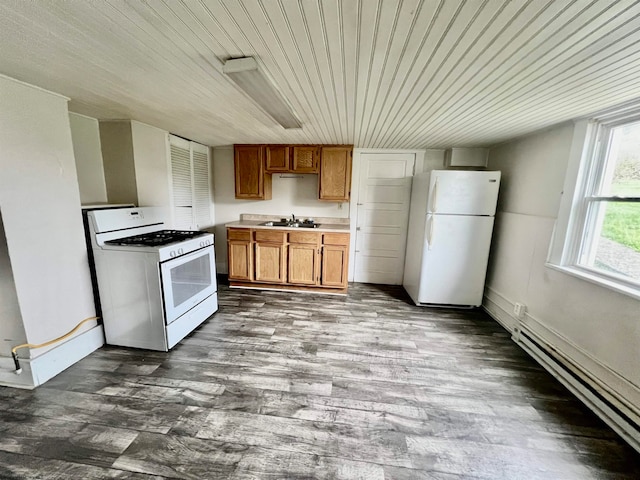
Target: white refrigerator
column 450, row 226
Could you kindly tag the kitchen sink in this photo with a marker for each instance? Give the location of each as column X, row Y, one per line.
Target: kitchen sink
column 275, row 224
column 290, row 224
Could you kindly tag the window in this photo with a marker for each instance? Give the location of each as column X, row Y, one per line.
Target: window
column 603, row 236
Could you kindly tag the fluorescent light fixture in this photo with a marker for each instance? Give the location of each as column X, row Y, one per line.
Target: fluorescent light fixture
column 247, row 75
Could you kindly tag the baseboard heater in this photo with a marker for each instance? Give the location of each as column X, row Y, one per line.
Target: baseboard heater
column 577, row 382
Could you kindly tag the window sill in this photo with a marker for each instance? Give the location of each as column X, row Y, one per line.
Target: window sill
column 596, row 279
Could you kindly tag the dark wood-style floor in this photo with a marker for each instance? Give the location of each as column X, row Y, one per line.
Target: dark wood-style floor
column 301, row 386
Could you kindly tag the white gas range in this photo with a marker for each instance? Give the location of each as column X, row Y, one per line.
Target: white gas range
column 155, row 285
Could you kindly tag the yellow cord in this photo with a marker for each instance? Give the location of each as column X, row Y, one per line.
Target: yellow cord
column 39, row 345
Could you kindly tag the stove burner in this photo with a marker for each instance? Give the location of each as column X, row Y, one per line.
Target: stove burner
column 156, row 239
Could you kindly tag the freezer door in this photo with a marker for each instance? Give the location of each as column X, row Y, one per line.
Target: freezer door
column 460, row 192
column 454, row 264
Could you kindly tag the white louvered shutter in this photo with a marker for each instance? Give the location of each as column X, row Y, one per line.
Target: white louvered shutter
column 201, row 188
column 181, row 186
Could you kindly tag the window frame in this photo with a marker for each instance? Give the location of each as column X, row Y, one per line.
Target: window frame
column 585, row 172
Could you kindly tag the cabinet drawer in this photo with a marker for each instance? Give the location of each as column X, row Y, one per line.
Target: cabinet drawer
column 239, row 234
column 270, row 236
column 336, row 239
column 304, row 237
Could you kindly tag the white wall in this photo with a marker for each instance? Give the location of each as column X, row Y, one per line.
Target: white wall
column 40, row 205
column 290, row 195
column 117, row 153
column 433, row 159
column 85, row 134
column 11, row 329
column 594, row 326
column 151, row 165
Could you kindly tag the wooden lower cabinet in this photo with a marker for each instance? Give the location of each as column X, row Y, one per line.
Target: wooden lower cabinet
column 304, row 258
column 335, row 260
column 270, row 255
column 283, row 258
column 240, row 260
column 334, row 266
column 239, row 254
column 270, row 262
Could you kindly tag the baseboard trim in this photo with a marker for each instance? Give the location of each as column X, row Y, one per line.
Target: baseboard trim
column 58, row 359
column 287, row 288
column 8, row 377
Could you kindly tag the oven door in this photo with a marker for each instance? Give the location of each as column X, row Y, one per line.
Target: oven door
column 187, row 281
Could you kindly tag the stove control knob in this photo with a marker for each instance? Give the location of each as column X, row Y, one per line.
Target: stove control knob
column 202, row 244
column 180, row 251
column 172, row 253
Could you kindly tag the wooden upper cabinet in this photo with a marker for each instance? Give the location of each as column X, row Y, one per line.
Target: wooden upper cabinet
column 277, row 158
column 251, row 180
column 288, row 158
column 305, row 159
column 335, row 173
column 254, row 164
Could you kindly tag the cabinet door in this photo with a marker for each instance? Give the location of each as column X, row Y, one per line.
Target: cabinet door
column 277, row 158
column 251, row 180
column 190, row 185
column 335, row 173
column 270, row 262
column 335, row 262
column 240, row 260
column 303, row 264
column 305, row 159
column 201, row 186
column 181, row 183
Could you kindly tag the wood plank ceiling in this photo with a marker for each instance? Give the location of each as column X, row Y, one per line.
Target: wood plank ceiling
column 375, row 73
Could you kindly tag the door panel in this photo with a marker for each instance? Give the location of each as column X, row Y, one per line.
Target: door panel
column 382, row 217
column 386, row 193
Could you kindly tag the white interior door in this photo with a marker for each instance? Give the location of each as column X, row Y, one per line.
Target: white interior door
column 384, row 193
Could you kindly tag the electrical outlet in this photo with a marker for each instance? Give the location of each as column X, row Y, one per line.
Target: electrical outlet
column 519, row 310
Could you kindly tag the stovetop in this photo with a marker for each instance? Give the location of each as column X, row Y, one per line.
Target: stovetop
column 156, row 239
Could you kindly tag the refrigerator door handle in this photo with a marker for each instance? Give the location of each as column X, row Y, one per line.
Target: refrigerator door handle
column 430, row 231
column 434, row 197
